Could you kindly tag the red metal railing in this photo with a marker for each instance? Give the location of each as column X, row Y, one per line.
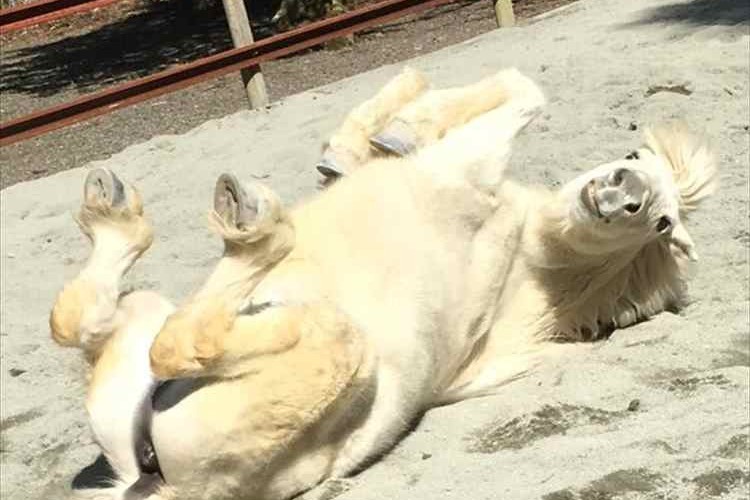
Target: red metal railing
column 184, row 75
column 44, row 11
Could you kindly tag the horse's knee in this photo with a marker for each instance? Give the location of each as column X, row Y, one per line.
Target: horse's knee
column 176, row 352
column 67, row 314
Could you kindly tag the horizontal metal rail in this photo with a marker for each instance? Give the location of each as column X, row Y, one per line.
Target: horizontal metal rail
column 44, row 11
column 181, row 76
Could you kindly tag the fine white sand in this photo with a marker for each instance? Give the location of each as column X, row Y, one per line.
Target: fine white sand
column 564, row 432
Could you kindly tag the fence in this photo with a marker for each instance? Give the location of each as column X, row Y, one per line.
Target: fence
column 44, row 11
column 242, row 58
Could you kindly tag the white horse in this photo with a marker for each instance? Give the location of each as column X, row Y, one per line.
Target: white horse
column 413, row 281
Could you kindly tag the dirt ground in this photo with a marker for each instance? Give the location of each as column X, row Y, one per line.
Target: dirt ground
column 659, row 411
column 56, row 63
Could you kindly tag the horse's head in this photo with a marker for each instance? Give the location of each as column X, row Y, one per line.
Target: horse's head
column 642, row 197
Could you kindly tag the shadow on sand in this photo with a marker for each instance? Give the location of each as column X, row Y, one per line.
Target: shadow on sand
column 698, row 13
column 98, row 474
column 160, row 35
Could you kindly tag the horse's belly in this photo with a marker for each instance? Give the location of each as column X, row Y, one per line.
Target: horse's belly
column 239, row 439
column 197, row 435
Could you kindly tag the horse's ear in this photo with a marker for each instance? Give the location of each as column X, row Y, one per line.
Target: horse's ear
column 689, row 159
column 680, row 240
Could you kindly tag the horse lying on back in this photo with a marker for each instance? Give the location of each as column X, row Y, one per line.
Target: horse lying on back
column 421, row 276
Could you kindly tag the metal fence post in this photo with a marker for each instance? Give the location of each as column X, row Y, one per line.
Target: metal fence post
column 242, row 34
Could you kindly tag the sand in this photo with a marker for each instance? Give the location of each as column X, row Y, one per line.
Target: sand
column 659, row 411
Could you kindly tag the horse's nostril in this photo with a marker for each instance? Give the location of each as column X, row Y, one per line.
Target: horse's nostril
column 663, row 224
column 632, row 207
column 618, row 176
column 634, row 155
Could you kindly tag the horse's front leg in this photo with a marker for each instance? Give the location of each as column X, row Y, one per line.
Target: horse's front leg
column 257, row 234
column 429, row 117
column 349, row 147
column 476, row 153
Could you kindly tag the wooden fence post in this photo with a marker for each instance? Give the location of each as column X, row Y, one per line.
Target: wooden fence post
column 504, row 13
column 242, row 34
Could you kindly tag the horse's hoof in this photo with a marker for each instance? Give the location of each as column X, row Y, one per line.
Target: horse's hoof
column 239, row 207
column 329, row 169
column 102, row 188
column 396, row 139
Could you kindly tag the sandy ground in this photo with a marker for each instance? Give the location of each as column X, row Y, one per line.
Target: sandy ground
column 570, row 431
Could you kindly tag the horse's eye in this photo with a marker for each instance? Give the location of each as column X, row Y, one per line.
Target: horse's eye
column 633, row 156
column 632, row 207
column 663, row 224
column 253, row 308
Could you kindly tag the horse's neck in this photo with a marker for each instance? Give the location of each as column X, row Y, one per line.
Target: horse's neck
column 572, row 290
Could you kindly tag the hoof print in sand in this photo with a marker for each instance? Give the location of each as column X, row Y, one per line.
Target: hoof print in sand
column 688, row 385
column 333, row 488
column 743, row 236
column 612, row 486
column 547, row 421
column 720, row 482
column 738, row 446
column 20, row 419
column 732, row 357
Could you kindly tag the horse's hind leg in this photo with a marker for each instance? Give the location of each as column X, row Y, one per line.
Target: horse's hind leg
column 349, row 146
column 429, row 117
column 257, row 234
column 114, row 330
column 111, row 216
column 121, row 383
